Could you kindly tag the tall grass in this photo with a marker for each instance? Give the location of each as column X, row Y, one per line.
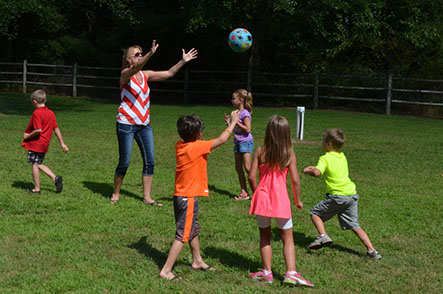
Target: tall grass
column 78, row 242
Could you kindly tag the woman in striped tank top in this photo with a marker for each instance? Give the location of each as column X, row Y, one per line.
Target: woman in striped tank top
column 133, row 115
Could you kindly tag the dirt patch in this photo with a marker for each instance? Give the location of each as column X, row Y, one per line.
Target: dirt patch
column 306, row 142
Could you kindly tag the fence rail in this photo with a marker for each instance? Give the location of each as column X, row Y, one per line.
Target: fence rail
column 311, row 87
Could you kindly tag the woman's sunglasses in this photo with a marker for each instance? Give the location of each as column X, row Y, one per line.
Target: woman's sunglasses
column 138, row 54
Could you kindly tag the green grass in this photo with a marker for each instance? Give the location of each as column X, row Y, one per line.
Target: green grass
column 77, row 242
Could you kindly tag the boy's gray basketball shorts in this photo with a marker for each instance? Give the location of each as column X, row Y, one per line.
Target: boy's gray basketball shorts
column 186, row 221
column 345, row 207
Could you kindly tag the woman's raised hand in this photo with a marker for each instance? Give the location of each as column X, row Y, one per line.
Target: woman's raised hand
column 154, row 46
column 192, row 54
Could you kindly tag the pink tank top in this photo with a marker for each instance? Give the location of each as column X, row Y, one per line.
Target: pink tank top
column 135, row 102
column 271, row 197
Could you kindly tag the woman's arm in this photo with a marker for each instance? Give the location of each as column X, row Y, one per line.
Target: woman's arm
column 128, row 72
column 295, row 180
column 166, row 74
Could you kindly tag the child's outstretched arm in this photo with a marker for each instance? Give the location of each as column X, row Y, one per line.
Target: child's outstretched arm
column 252, row 178
column 312, row 171
column 60, row 139
column 245, row 126
column 295, row 180
column 224, row 136
column 227, row 119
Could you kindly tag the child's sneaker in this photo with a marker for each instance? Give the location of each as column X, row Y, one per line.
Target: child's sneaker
column 320, row 241
column 262, row 277
column 373, row 255
column 296, row 280
column 58, row 184
column 242, row 196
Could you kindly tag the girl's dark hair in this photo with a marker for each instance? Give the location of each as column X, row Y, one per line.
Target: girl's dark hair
column 189, row 127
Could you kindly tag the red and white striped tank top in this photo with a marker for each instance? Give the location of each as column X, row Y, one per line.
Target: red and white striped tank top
column 135, row 102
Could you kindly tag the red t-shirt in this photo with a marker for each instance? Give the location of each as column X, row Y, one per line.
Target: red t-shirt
column 191, row 177
column 42, row 118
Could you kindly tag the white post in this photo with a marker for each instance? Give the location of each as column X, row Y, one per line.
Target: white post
column 300, row 121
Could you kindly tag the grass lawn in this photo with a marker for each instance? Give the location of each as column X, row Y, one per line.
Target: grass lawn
column 78, row 242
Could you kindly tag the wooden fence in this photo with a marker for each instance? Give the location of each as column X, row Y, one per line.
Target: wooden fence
column 302, row 88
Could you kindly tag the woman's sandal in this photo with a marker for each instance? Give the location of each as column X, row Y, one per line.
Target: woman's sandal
column 153, row 203
column 113, row 199
column 32, row 191
column 203, row 269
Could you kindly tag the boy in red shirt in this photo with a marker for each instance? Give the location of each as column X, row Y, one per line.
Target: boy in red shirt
column 191, row 182
column 37, row 138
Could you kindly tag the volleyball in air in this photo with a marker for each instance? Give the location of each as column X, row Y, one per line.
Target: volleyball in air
column 240, row 40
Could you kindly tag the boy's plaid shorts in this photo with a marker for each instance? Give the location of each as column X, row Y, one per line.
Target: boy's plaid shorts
column 35, row 157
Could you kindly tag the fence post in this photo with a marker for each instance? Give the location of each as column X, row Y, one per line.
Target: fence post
column 25, row 71
column 74, row 81
column 316, row 85
column 389, row 94
column 186, row 86
column 249, row 80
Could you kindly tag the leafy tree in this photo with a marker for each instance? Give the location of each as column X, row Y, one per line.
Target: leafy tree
column 364, row 36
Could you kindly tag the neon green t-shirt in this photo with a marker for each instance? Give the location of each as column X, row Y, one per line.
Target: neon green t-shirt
column 334, row 168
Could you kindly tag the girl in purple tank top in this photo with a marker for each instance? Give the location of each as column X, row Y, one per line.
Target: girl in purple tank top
column 243, row 141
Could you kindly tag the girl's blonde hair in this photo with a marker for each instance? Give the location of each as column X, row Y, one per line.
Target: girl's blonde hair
column 277, row 147
column 247, row 98
column 125, row 63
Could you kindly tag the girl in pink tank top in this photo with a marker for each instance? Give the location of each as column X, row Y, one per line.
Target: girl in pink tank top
column 271, row 200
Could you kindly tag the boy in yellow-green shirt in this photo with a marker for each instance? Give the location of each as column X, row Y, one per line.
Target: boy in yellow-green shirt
column 341, row 194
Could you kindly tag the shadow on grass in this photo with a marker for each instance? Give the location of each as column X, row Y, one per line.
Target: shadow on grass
column 106, row 190
column 231, row 258
column 150, row 252
column 302, row 241
column 147, row 250
column 22, row 185
column 221, row 191
column 345, row 249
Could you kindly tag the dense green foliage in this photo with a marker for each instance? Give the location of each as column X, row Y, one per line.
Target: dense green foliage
column 404, row 37
column 78, row 242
